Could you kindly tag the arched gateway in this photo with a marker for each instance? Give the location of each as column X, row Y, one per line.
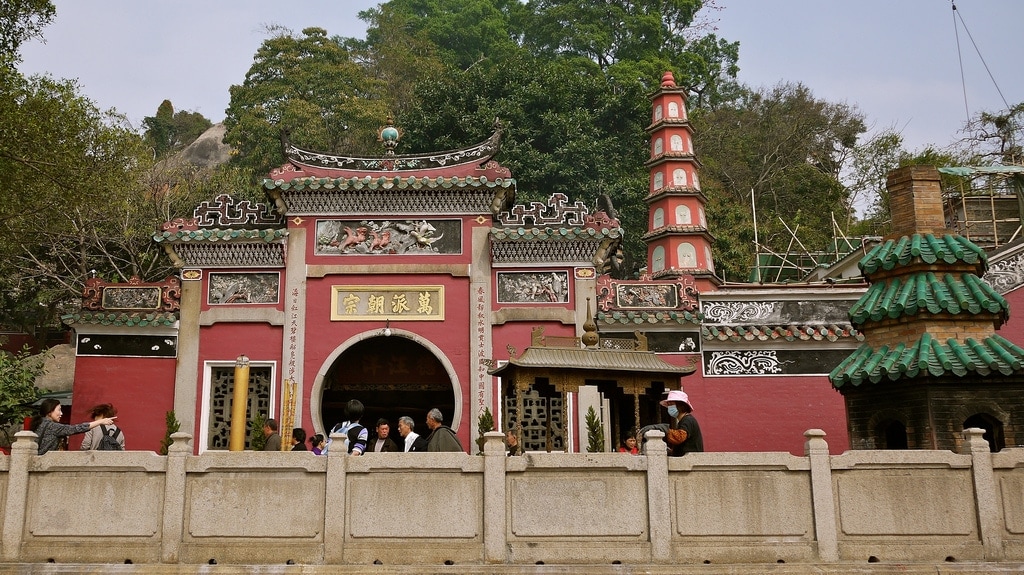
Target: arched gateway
column 393, row 375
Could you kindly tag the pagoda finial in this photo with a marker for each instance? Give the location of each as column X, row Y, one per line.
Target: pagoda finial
column 389, row 136
column 667, row 81
column 590, row 337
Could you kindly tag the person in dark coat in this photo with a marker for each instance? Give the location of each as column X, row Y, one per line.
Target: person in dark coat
column 412, row 441
column 441, row 437
column 383, row 442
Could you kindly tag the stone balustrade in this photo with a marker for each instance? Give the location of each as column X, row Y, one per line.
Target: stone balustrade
column 440, row 509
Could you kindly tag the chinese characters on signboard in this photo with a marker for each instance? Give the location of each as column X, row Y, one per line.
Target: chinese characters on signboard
column 361, row 303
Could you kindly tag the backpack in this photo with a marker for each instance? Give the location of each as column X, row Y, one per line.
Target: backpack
column 108, row 441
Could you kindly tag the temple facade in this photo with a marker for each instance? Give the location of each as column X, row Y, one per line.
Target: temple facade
column 408, row 281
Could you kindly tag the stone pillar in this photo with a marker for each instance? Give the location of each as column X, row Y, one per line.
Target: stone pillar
column 822, row 499
column 659, row 499
column 334, row 502
column 480, row 387
column 495, row 493
column 985, row 498
column 173, row 527
column 23, row 450
column 915, row 201
column 186, row 381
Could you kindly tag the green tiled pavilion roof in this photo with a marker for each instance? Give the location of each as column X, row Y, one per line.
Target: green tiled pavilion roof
column 215, row 235
column 640, row 317
column 386, row 182
column 930, row 249
column 135, row 319
column 919, row 292
column 928, row 356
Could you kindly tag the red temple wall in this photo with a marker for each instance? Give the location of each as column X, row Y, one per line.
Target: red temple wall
column 142, row 390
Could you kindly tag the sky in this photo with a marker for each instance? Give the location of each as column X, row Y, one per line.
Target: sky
column 897, row 61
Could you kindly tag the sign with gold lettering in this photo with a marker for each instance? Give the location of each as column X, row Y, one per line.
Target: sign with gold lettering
column 369, row 302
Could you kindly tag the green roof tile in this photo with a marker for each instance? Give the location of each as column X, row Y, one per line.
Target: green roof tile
column 925, row 292
column 926, row 247
column 638, row 317
column 136, row 319
column 560, row 234
column 927, row 356
column 217, row 235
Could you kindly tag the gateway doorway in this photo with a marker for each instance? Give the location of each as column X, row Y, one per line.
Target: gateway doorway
column 392, row 376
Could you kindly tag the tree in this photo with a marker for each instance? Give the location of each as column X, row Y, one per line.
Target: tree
column 172, row 426
column 169, row 131
column 310, row 86
column 565, row 131
column 788, row 149
column 18, row 373
column 642, row 38
column 83, row 168
column 484, row 424
column 20, row 21
column 464, row 33
column 595, row 432
column 995, row 137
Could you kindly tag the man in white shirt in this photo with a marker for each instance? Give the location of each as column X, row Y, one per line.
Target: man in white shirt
column 413, row 442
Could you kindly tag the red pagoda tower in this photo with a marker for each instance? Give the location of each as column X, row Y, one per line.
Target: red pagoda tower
column 678, row 242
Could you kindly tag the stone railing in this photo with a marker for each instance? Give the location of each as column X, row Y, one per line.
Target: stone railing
column 551, row 508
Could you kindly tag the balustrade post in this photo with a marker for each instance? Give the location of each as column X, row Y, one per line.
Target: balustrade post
column 24, row 449
column 495, row 495
column 822, row 500
column 659, row 501
column 172, row 531
column 334, row 500
column 984, row 494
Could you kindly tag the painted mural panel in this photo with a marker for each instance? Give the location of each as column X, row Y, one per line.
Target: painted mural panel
column 533, row 287
column 244, row 288
column 384, row 237
column 773, row 361
column 378, row 303
column 134, row 298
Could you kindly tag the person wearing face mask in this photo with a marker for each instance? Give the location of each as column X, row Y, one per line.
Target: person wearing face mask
column 683, row 431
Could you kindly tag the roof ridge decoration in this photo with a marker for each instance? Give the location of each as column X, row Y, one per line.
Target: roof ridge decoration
column 224, row 211
column 477, row 154
column 646, row 294
column 132, row 296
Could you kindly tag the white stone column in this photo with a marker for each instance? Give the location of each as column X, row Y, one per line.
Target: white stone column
column 495, row 519
column 23, row 450
column 293, row 293
column 822, row 500
column 987, row 504
column 480, row 386
column 173, row 522
column 659, row 498
column 187, row 374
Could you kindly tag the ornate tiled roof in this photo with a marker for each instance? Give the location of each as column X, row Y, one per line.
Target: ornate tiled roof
column 387, row 183
column 642, row 317
column 928, row 357
column 216, row 235
column 830, row 332
column 930, row 249
column 553, row 234
column 919, row 292
column 134, row 319
column 596, row 359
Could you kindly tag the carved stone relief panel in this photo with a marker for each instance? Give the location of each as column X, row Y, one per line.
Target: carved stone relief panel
column 533, row 287
column 244, row 288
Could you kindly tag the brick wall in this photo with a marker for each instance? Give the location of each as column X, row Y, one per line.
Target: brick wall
column 915, row 201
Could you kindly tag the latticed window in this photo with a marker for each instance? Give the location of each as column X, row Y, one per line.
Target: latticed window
column 222, row 389
column 543, row 428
